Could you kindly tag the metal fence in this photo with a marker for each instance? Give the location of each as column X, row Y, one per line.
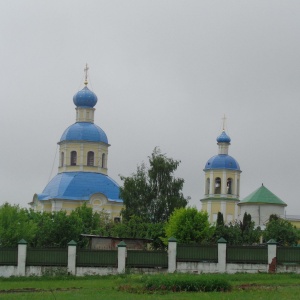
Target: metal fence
column 196, row 253
column 97, row 258
column 47, row 257
column 247, row 254
column 147, row 259
column 288, row 255
column 8, row 256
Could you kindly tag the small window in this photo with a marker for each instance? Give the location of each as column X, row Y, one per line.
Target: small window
column 215, row 217
column 90, row 158
column 117, row 219
column 103, row 160
column 62, row 159
column 73, row 158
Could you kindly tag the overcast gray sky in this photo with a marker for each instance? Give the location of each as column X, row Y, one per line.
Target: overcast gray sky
column 164, row 72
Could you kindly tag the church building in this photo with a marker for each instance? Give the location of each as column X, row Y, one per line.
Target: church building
column 83, row 165
column 261, row 204
column 222, row 183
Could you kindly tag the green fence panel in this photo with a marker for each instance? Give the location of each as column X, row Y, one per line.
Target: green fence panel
column 247, row 254
column 147, row 259
column 47, row 257
column 288, row 255
column 97, row 258
column 8, row 256
column 196, row 253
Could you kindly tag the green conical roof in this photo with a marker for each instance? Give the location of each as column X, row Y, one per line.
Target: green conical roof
column 263, row 196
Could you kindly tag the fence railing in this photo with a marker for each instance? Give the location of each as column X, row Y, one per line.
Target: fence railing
column 288, row 255
column 197, row 253
column 247, row 254
column 147, row 259
column 47, row 257
column 97, row 258
column 9, row 256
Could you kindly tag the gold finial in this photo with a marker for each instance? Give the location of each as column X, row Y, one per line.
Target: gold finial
column 224, row 121
column 86, row 73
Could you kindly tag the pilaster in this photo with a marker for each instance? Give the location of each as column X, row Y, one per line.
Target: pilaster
column 172, row 253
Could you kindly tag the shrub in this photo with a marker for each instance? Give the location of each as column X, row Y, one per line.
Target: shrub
column 187, row 283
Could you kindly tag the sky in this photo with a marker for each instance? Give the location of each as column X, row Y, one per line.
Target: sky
column 165, row 72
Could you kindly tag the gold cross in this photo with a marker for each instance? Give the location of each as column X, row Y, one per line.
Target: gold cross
column 224, row 121
column 86, row 73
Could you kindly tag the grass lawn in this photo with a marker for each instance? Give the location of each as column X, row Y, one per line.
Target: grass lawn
column 245, row 286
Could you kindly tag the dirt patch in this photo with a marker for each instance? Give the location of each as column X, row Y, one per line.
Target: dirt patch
column 255, row 286
column 35, row 290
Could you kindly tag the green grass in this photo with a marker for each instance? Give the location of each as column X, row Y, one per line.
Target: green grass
column 245, row 286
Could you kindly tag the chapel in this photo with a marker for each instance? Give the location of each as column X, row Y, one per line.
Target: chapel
column 83, row 165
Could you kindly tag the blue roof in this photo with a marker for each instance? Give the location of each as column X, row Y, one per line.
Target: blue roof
column 222, row 161
column 80, row 186
column 84, row 131
column 223, row 138
column 85, row 98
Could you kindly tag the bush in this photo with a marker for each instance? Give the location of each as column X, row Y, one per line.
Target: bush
column 187, row 283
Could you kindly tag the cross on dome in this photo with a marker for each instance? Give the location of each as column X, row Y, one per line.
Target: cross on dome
column 86, row 73
column 224, row 121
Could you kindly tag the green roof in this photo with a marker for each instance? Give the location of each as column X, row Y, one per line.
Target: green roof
column 263, row 196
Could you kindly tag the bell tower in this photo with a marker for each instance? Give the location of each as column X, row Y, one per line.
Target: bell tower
column 222, row 183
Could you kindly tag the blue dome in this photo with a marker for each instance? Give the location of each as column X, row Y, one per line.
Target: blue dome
column 85, row 98
column 222, row 161
column 80, row 186
column 84, row 131
column 223, row 138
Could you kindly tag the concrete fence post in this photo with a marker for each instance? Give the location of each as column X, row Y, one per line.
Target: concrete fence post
column 222, row 247
column 172, row 254
column 122, row 251
column 72, row 257
column 272, row 253
column 22, row 253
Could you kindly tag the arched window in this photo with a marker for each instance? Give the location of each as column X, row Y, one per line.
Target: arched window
column 90, row 158
column 238, row 188
column 218, row 185
column 62, row 159
column 73, row 158
column 103, row 161
column 207, row 186
column 229, row 186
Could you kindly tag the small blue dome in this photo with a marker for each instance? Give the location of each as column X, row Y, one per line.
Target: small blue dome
column 223, row 138
column 222, row 161
column 85, row 98
column 84, row 131
column 80, row 186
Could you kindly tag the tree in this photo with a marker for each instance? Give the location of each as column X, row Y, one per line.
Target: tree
column 282, row 231
column 188, row 225
column 137, row 228
column 56, row 229
column 153, row 193
column 239, row 233
column 220, row 219
column 15, row 225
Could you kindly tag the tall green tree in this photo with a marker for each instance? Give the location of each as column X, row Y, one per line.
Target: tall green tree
column 188, row 225
column 15, row 225
column 153, row 193
column 282, row 231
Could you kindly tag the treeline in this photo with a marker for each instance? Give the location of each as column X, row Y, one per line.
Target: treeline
column 56, row 229
column 187, row 225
